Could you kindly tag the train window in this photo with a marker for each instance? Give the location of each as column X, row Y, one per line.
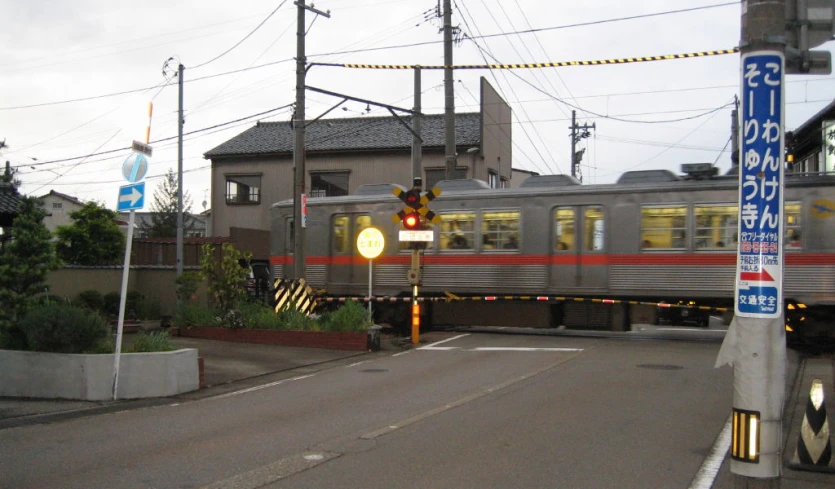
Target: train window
column 457, row 231
column 339, row 234
column 593, row 229
column 500, row 230
column 716, row 226
column 664, row 227
column 564, row 229
column 793, row 238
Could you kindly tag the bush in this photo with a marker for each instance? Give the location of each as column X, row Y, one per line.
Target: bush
column 63, row 329
column 189, row 314
column 111, row 303
column 151, row 342
column 12, row 338
column 91, row 299
column 133, row 303
column 187, row 285
column 351, row 317
column 51, row 300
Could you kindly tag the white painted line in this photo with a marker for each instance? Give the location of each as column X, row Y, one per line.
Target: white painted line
column 358, row 363
column 402, row 353
column 439, row 348
column 519, row 348
column 432, row 345
column 706, row 475
column 259, row 387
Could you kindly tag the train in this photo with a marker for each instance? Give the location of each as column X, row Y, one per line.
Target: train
column 652, row 238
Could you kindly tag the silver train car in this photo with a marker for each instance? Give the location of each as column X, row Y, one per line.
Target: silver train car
column 652, row 236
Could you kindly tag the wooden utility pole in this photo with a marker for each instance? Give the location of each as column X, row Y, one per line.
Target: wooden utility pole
column 449, row 95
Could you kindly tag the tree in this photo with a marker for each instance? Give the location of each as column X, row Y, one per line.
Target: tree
column 25, row 262
column 93, row 239
column 164, row 210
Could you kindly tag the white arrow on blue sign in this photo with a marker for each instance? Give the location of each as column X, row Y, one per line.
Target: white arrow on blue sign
column 131, row 197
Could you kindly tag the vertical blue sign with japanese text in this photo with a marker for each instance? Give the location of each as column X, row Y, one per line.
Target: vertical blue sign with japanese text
column 759, row 269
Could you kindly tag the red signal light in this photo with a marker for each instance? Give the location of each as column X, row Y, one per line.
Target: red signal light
column 411, row 221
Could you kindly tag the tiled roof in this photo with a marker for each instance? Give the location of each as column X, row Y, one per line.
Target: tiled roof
column 63, row 196
column 9, row 200
column 363, row 133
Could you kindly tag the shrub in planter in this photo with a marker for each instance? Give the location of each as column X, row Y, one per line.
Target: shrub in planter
column 191, row 314
column 151, row 342
column 110, row 304
column 350, row 317
column 63, row 329
column 91, row 299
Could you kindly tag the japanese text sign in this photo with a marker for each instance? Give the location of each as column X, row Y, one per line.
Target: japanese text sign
column 759, row 276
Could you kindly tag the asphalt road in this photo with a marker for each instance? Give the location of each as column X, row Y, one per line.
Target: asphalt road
column 477, row 411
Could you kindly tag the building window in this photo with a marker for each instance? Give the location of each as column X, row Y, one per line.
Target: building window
column 433, row 176
column 57, row 205
column 330, row 184
column 493, row 179
column 457, row 231
column 500, row 230
column 664, row 227
column 716, row 226
column 564, row 229
column 243, row 189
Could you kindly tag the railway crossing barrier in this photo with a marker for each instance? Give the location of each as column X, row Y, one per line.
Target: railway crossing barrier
column 450, row 297
column 814, row 448
column 295, row 294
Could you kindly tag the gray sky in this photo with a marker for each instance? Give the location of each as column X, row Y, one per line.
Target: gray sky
column 649, row 115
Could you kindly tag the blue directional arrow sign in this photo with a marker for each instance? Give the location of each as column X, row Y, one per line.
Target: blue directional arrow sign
column 131, row 197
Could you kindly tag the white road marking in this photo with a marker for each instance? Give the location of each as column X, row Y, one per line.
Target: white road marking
column 358, row 363
column 520, row 348
column 434, row 345
column 706, row 475
column 259, row 387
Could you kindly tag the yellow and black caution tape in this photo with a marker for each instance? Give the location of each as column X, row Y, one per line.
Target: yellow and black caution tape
column 557, row 64
column 450, row 297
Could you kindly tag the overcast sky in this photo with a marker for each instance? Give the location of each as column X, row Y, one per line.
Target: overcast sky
column 76, row 76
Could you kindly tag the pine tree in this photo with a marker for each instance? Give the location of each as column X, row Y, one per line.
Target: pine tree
column 164, row 210
column 25, row 262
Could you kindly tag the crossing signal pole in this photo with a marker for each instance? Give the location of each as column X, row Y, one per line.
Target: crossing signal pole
column 413, row 217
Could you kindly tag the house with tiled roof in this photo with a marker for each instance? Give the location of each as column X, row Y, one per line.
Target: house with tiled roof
column 254, row 169
column 812, row 144
column 58, row 208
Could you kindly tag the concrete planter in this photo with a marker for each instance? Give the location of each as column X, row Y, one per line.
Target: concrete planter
column 307, row 339
column 90, row 377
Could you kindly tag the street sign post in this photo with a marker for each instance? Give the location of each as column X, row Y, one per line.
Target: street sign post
column 370, row 243
column 759, row 275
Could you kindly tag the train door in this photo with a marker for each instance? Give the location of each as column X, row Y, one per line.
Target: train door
column 348, row 271
column 578, row 262
column 289, row 244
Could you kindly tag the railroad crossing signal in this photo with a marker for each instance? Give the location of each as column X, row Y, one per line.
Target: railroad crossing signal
column 416, row 206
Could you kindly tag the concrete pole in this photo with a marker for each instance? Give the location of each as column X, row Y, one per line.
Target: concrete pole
column 449, row 95
column 298, row 150
column 180, row 173
column 417, row 122
column 760, row 361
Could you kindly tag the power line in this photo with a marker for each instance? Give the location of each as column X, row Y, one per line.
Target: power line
column 111, row 151
column 242, row 40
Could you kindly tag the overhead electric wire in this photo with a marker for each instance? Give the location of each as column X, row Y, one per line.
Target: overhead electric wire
column 242, row 40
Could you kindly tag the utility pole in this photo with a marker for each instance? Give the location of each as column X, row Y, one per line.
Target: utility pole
column 760, row 360
column 417, row 148
column 299, row 182
column 180, row 122
column 735, row 134
column 575, row 138
column 449, row 95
